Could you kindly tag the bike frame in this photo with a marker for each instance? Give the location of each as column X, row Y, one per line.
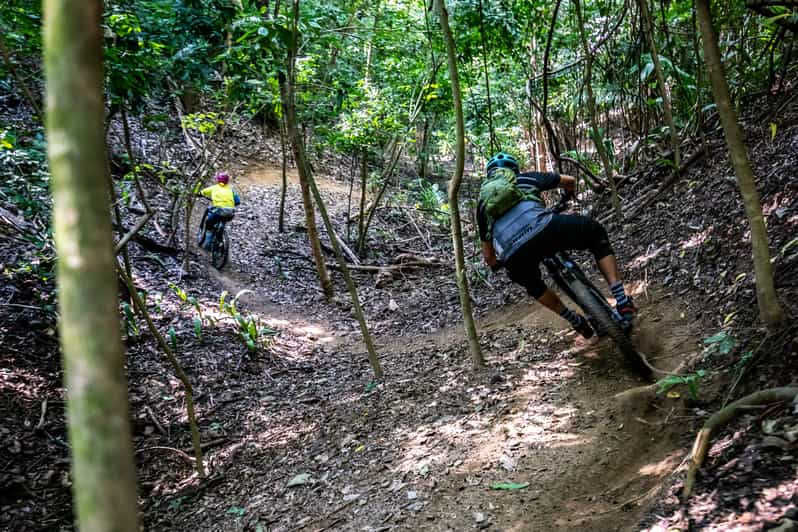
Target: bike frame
column 565, row 271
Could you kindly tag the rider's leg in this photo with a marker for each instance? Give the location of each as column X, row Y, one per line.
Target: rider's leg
column 210, row 225
column 580, row 232
column 624, row 304
column 525, row 271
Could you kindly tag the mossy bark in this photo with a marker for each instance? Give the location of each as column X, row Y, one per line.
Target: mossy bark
column 103, row 472
column 769, row 308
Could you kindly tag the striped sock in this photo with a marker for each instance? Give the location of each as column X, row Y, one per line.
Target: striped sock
column 618, row 293
column 573, row 318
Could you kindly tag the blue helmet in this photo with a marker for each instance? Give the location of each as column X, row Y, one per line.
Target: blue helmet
column 502, row 160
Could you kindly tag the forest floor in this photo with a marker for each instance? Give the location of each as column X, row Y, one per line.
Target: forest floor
column 299, row 436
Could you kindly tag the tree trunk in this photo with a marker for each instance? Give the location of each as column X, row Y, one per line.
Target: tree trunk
column 769, row 309
column 287, row 95
column 350, row 284
column 664, row 89
column 454, row 192
column 591, row 106
column 23, row 86
column 103, row 472
column 284, row 189
column 361, row 221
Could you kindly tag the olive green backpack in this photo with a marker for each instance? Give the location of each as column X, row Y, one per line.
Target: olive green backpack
column 500, row 192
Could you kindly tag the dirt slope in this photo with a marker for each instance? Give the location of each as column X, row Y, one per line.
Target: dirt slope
column 421, row 449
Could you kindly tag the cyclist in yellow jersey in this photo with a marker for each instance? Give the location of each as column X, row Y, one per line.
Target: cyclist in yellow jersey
column 224, row 200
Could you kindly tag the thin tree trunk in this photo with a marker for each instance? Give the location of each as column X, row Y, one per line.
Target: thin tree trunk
column 284, row 189
column 699, row 106
column 591, row 106
column 103, row 471
column 769, row 308
column 181, row 375
column 388, row 175
column 664, row 89
column 287, row 95
column 349, row 199
column 19, row 79
column 494, row 144
column 454, row 192
column 350, row 284
column 554, row 143
column 361, row 221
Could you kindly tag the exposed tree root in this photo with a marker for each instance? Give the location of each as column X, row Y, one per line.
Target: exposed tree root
column 723, row 416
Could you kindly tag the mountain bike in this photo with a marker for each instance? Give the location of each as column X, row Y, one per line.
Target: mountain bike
column 604, row 319
column 220, row 241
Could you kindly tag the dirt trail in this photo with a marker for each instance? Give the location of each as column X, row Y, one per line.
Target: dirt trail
column 421, row 450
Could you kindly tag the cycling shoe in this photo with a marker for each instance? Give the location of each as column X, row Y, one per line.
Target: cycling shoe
column 628, row 310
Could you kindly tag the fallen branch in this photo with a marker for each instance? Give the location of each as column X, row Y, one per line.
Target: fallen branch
column 394, row 267
column 150, row 244
column 178, row 452
column 599, row 183
column 346, row 249
column 130, row 234
column 722, row 417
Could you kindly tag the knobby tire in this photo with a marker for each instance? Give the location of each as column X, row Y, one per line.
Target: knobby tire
column 220, row 249
column 587, row 300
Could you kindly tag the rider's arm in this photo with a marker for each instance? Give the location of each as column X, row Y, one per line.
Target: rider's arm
column 568, row 183
column 206, row 192
column 489, row 254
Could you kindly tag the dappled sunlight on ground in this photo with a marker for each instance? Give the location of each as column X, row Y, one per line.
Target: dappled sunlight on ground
column 21, row 383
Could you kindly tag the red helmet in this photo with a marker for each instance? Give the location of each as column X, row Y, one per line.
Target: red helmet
column 222, row 177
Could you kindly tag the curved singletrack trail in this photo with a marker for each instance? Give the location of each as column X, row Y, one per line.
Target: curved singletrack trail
column 424, row 448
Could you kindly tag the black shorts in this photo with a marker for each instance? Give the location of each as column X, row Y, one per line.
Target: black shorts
column 564, row 232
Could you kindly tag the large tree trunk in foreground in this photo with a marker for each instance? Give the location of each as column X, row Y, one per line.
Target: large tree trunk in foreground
column 769, row 309
column 454, row 192
column 104, row 478
column 297, row 142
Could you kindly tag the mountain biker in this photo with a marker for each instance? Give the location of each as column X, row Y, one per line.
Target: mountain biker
column 224, row 200
column 528, row 232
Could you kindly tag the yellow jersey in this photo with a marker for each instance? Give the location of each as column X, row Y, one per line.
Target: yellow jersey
column 221, row 195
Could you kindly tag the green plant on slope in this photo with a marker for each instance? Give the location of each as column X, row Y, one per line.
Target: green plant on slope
column 251, row 329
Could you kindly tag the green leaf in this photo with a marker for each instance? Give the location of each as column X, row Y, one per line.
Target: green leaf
column 727, row 345
column 198, row 328
column 773, row 129
column 173, row 338
column 789, row 244
column 508, row 486
column 716, row 339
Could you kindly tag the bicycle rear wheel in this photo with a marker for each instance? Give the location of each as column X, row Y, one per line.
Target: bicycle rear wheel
column 220, row 249
column 601, row 313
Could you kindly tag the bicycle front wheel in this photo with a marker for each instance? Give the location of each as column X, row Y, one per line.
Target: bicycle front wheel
column 602, row 313
column 221, row 249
